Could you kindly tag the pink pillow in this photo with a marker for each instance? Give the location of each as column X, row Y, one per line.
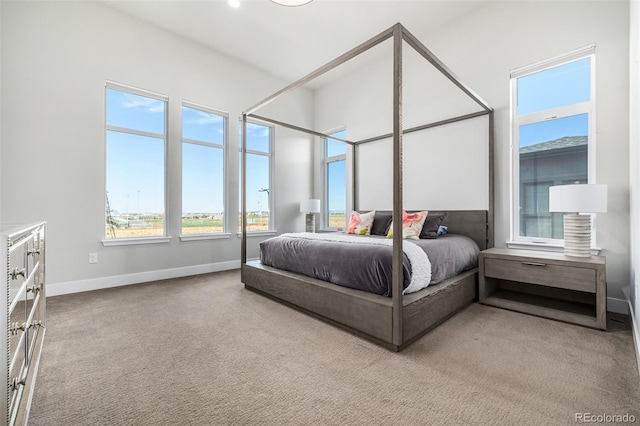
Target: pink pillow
column 412, row 224
column 360, row 223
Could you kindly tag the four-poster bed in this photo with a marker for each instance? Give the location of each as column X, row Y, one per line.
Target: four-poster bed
column 396, row 321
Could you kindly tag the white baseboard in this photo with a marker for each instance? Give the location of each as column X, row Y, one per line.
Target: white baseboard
column 58, row 289
column 635, row 330
column 620, row 306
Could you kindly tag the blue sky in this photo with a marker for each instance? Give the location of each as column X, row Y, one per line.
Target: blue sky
column 202, row 166
column 575, row 125
column 558, row 86
column 337, row 174
column 135, row 163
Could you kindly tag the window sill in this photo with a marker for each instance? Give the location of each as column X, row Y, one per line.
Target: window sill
column 556, row 248
column 258, row 234
column 199, row 237
column 135, row 241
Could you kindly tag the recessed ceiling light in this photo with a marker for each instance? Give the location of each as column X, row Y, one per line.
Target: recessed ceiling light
column 292, row 2
column 234, row 3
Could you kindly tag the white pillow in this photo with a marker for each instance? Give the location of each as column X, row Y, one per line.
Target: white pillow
column 412, row 224
column 360, row 223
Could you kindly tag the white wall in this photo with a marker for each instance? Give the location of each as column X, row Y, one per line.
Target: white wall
column 482, row 49
column 1, row 96
column 634, row 161
column 427, row 164
column 56, row 57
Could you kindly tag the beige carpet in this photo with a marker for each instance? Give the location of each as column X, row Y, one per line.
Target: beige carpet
column 205, row 351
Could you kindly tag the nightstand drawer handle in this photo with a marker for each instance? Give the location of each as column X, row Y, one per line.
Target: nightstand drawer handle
column 533, row 264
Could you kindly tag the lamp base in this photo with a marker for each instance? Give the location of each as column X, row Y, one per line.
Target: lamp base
column 311, row 222
column 577, row 235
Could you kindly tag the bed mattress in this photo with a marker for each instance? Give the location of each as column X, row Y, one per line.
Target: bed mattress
column 367, row 267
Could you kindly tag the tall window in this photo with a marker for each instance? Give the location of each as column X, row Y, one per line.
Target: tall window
column 553, row 138
column 203, row 140
column 335, row 172
column 136, row 141
column 259, row 188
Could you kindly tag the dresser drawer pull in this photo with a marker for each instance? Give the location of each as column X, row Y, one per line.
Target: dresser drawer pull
column 16, row 326
column 15, row 272
column 17, row 381
column 534, row 264
column 34, row 288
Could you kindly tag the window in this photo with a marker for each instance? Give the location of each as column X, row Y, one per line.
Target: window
column 135, row 162
column 259, row 188
column 335, row 172
column 204, row 133
column 553, row 139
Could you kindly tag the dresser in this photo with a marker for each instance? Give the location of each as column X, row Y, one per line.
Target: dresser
column 23, row 319
column 551, row 285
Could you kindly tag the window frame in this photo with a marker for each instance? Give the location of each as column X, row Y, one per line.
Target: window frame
column 585, row 107
column 271, row 194
column 106, row 241
column 225, row 193
column 326, row 161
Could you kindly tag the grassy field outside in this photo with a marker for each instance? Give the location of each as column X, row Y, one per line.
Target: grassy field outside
column 337, row 221
column 190, row 226
column 203, row 225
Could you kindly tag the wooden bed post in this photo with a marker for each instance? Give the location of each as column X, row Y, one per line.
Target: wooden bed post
column 490, row 218
column 354, row 189
column 243, row 255
column 397, row 271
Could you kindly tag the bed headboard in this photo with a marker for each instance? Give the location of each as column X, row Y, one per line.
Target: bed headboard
column 472, row 223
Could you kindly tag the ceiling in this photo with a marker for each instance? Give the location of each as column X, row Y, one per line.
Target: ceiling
column 290, row 42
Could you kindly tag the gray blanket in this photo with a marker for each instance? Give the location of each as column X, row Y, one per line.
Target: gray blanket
column 366, row 267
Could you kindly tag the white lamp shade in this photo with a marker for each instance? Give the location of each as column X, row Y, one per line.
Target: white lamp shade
column 310, row 206
column 585, row 198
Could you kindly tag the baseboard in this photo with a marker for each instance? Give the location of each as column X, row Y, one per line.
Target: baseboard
column 58, row 289
column 635, row 330
column 620, row 306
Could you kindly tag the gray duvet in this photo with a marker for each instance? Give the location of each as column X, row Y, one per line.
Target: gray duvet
column 366, row 267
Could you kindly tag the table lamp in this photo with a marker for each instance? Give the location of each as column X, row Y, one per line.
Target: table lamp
column 310, row 207
column 576, row 199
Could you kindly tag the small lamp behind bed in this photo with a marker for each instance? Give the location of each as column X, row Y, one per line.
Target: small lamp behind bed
column 310, row 207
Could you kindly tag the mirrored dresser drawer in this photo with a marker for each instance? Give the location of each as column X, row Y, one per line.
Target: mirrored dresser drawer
column 23, row 297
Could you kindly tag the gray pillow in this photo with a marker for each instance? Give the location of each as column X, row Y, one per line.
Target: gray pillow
column 381, row 223
column 431, row 224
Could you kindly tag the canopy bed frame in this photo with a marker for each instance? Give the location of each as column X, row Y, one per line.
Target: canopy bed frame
column 393, row 322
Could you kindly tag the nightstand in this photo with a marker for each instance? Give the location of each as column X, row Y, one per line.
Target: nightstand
column 550, row 285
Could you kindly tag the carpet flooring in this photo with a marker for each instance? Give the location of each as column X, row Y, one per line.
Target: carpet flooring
column 205, row 351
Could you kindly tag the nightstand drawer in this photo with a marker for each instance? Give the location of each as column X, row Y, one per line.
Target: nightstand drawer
column 542, row 273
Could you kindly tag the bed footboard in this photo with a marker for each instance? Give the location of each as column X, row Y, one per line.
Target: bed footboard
column 423, row 312
column 364, row 314
column 368, row 313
